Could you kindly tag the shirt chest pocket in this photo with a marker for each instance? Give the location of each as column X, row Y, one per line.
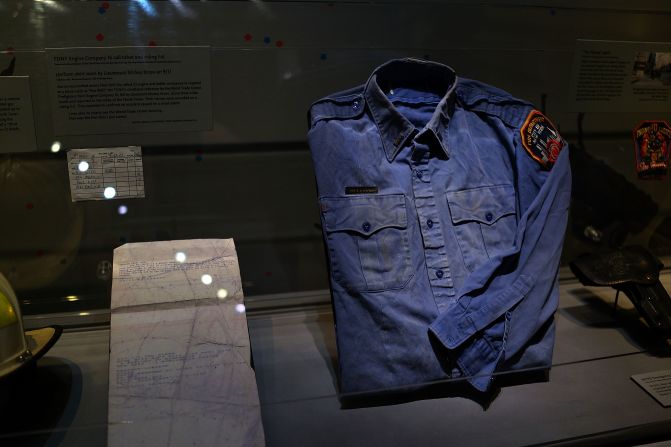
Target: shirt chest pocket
column 484, row 222
column 367, row 240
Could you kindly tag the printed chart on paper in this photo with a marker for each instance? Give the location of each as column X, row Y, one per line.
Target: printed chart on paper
column 110, row 173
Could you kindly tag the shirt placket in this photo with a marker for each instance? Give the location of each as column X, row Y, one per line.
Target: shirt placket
column 438, row 268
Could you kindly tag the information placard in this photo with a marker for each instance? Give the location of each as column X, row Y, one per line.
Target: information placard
column 130, row 89
column 17, row 127
column 657, row 384
column 614, row 76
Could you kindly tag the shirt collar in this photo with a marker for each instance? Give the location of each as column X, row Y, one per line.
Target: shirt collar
column 394, row 128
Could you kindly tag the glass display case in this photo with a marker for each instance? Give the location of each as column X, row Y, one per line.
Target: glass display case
column 335, row 223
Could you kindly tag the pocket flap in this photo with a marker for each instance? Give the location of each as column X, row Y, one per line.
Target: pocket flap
column 485, row 204
column 364, row 215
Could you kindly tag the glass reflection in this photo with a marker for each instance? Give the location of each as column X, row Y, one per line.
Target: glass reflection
column 55, row 146
column 146, row 7
column 109, row 192
column 240, row 308
column 206, row 279
column 183, row 9
column 51, row 4
column 123, row 209
column 83, row 166
column 222, row 294
column 180, row 256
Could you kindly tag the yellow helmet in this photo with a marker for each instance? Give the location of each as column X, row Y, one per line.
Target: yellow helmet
column 17, row 347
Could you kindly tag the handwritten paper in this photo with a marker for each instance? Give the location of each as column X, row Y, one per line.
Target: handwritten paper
column 103, row 174
column 180, row 357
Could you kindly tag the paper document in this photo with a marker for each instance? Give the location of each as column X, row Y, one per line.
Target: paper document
column 657, row 384
column 17, row 127
column 180, row 369
column 112, row 90
column 103, row 174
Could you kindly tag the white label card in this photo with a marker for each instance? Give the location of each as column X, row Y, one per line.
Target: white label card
column 613, row 76
column 17, row 127
column 103, row 174
column 657, row 384
column 130, row 89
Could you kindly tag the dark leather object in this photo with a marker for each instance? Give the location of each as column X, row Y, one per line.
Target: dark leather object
column 627, row 264
column 634, row 271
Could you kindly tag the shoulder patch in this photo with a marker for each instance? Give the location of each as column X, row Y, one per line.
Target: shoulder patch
column 653, row 145
column 541, row 139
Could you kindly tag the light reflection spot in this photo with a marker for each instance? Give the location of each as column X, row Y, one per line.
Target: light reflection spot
column 222, row 293
column 240, row 308
column 83, row 166
column 123, row 209
column 109, row 192
column 180, row 256
column 55, row 146
column 206, row 279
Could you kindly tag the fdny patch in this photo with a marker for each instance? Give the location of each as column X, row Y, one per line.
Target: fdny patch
column 541, row 139
column 653, row 143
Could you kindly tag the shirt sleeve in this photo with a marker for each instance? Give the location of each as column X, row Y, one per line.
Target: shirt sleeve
column 507, row 300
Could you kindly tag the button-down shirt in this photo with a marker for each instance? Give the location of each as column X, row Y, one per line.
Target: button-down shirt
column 443, row 233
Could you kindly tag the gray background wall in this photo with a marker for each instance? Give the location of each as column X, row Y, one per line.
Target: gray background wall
column 254, row 180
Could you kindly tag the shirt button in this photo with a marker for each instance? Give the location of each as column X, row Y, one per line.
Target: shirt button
column 439, row 274
column 429, row 223
column 366, row 227
column 489, row 217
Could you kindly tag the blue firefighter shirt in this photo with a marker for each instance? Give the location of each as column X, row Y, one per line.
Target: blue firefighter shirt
column 443, row 204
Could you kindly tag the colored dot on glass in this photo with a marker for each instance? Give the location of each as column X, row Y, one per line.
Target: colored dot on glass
column 29, row 206
column 100, row 37
column 279, row 44
column 152, row 43
column 102, row 10
column 199, row 158
column 247, row 37
column 106, row 5
column 323, row 56
column 266, row 40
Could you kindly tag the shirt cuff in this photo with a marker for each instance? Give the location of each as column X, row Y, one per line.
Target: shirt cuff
column 479, row 358
column 455, row 326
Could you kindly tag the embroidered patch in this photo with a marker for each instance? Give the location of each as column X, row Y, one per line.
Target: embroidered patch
column 541, row 139
column 653, row 143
